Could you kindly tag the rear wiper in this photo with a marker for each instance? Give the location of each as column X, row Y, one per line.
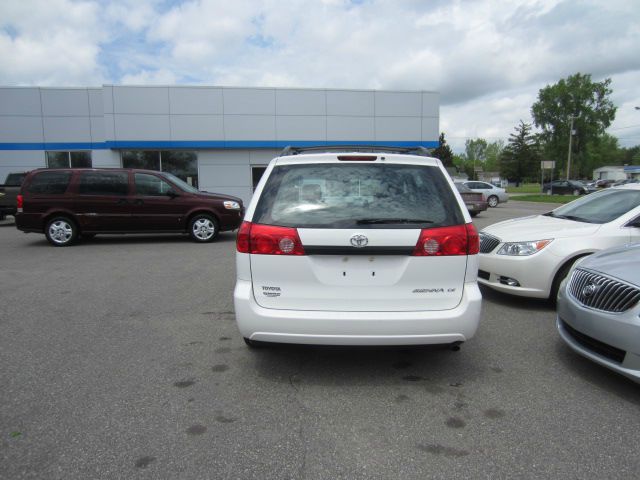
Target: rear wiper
column 372, row 221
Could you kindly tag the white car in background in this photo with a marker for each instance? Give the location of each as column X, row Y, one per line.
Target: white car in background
column 530, row 256
column 361, row 247
column 493, row 194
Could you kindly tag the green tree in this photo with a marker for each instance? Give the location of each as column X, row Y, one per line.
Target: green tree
column 493, row 153
column 580, row 99
column 601, row 151
column 462, row 165
column 520, row 159
column 475, row 154
column 443, row 152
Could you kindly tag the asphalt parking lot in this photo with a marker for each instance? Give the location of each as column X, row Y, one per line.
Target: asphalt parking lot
column 119, row 358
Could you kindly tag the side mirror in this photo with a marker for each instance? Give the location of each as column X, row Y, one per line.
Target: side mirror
column 172, row 193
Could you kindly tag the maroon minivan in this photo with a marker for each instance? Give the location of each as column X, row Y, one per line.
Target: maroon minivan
column 68, row 203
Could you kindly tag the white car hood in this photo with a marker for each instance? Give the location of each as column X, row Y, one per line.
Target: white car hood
column 539, row 227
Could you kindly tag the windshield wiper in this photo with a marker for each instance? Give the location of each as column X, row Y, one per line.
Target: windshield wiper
column 372, row 221
column 574, row 218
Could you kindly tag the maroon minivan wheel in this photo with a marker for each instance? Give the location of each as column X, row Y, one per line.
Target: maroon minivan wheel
column 61, row 231
column 203, row 228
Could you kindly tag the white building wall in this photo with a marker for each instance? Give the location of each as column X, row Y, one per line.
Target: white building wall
column 230, row 129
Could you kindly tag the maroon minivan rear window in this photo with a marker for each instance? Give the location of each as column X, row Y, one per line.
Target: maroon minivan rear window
column 49, row 183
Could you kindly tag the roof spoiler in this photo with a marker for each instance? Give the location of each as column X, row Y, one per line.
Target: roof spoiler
column 290, row 150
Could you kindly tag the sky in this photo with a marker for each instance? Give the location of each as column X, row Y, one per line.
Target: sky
column 487, row 58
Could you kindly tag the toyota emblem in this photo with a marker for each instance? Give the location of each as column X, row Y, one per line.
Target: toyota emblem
column 358, row 240
column 589, row 290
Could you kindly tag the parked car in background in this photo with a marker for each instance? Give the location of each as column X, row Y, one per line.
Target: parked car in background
column 356, row 246
column 67, row 203
column 530, row 256
column 567, row 187
column 605, row 183
column 9, row 193
column 475, row 201
column 599, row 309
column 494, row 195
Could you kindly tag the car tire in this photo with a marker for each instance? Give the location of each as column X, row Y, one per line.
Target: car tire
column 203, row 228
column 560, row 276
column 61, row 231
column 492, row 201
column 474, row 214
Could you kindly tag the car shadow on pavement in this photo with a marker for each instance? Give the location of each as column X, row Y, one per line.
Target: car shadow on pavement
column 135, row 239
column 513, row 301
column 435, row 368
column 597, row 375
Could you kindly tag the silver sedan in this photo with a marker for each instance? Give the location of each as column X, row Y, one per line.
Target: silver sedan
column 599, row 309
column 493, row 194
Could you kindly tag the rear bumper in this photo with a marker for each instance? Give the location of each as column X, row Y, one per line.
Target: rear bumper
column 357, row 328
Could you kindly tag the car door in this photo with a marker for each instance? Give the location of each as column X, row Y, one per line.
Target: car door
column 102, row 201
column 479, row 187
column 157, row 204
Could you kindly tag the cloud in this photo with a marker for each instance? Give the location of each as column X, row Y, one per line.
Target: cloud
column 488, row 58
column 51, row 42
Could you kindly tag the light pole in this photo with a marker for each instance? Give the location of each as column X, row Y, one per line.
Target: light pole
column 570, row 139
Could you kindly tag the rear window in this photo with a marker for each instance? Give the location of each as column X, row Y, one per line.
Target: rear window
column 50, row 183
column 104, row 183
column 15, row 179
column 362, row 196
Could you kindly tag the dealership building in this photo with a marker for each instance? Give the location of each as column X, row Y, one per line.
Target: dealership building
column 219, row 139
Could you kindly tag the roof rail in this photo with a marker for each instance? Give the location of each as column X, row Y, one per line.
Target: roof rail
column 290, row 150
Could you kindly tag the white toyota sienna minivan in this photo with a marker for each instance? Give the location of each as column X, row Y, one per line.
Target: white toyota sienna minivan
column 357, row 246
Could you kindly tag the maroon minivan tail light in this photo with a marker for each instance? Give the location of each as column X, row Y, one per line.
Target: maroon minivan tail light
column 268, row 240
column 447, row 241
column 19, row 203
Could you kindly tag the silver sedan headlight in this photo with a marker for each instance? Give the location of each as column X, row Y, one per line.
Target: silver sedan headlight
column 231, row 205
column 523, row 249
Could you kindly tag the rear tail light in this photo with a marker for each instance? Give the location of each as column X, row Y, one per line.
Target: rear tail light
column 447, row 241
column 19, row 202
column 473, row 239
column 268, row 240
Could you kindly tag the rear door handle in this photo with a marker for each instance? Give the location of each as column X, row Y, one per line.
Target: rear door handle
column 122, row 201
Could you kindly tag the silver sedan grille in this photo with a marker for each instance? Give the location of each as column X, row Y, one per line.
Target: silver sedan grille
column 488, row 242
column 599, row 292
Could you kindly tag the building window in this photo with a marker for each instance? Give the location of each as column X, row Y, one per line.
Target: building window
column 69, row 159
column 256, row 175
column 183, row 165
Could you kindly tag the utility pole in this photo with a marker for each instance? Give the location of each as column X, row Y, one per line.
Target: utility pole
column 569, row 154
